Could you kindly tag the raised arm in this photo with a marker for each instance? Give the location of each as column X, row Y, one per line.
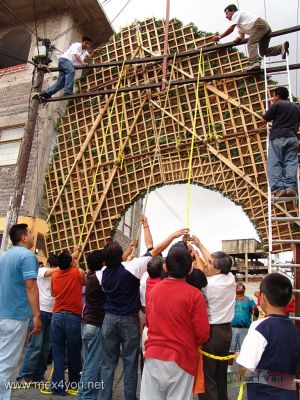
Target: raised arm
column 228, row 31
column 165, row 243
column 147, row 234
column 206, row 254
column 130, row 249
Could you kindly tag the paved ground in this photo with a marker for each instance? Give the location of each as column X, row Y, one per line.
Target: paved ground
column 34, row 394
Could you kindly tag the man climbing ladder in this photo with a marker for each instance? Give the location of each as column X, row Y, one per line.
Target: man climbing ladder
column 283, row 147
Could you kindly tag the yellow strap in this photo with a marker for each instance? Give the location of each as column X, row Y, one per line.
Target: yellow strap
column 157, row 146
column 241, row 391
column 188, row 207
column 120, row 159
column 221, row 358
column 100, row 154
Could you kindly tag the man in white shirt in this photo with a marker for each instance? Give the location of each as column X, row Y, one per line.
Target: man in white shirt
column 75, row 55
column 37, row 351
column 259, row 33
column 220, row 298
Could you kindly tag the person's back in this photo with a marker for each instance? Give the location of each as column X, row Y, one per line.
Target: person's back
column 272, row 344
column 285, row 116
column 67, row 288
column 171, row 319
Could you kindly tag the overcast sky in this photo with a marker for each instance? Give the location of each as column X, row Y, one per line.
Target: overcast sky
column 213, row 217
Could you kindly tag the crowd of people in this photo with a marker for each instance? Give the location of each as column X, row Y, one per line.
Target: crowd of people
column 191, row 304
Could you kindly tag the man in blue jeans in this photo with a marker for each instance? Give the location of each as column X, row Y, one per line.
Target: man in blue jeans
column 37, row 351
column 75, row 55
column 283, row 146
column 121, row 326
column 244, row 308
column 93, row 315
column 19, row 301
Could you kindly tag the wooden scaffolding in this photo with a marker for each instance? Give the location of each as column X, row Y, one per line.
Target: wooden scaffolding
column 105, row 145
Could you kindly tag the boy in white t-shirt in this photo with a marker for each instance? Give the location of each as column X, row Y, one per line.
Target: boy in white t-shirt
column 37, row 351
column 75, row 55
column 259, row 33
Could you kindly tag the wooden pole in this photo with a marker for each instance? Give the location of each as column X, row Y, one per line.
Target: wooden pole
column 166, row 46
column 296, row 253
column 23, row 161
column 209, row 48
column 236, row 74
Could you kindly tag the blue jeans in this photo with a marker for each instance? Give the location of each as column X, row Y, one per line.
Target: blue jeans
column 65, row 333
column 12, row 338
column 125, row 331
column 91, row 373
column 37, row 351
column 283, row 163
column 65, row 78
column 238, row 336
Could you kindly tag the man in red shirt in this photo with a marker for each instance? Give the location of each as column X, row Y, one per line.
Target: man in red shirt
column 178, row 323
column 66, row 287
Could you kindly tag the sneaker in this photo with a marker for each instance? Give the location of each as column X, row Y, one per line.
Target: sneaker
column 72, row 392
column 253, row 66
column 291, row 192
column 48, row 392
column 285, row 50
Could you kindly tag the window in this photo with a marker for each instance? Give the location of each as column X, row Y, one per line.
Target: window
column 14, row 48
column 10, row 142
column 127, row 221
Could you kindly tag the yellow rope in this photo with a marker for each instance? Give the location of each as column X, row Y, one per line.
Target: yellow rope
column 206, row 103
column 192, row 145
column 120, row 158
column 157, row 145
column 100, row 154
column 241, row 392
column 221, row 358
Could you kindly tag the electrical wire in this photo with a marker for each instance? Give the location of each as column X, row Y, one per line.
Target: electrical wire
column 122, row 9
column 16, row 16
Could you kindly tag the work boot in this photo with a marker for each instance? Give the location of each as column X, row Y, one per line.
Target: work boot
column 291, row 193
column 285, row 50
column 253, row 66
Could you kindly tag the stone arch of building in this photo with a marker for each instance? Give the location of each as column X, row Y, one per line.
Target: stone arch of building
column 15, row 47
column 106, row 145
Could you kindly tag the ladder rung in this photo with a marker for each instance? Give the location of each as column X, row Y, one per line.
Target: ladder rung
column 286, row 241
column 275, row 62
column 284, row 198
column 275, row 86
column 276, row 73
column 295, row 318
column 286, row 265
column 286, row 219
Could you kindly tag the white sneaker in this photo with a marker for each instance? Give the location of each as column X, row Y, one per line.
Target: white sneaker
column 253, row 66
column 285, row 50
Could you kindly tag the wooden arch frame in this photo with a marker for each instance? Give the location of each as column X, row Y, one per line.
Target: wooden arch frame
column 229, row 154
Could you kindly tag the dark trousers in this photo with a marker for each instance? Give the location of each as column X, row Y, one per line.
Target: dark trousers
column 215, row 371
column 65, row 335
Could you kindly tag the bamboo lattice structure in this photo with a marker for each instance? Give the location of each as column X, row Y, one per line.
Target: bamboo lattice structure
column 229, row 155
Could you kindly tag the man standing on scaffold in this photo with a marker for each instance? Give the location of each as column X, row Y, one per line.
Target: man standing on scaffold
column 259, row 33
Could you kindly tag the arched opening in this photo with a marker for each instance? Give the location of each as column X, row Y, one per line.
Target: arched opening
column 14, row 48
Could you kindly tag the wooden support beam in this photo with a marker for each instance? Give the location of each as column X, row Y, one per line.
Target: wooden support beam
column 296, row 253
column 110, row 179
column 187, row 53
column 226, row 161
column 208, row 78
column 80, row 154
